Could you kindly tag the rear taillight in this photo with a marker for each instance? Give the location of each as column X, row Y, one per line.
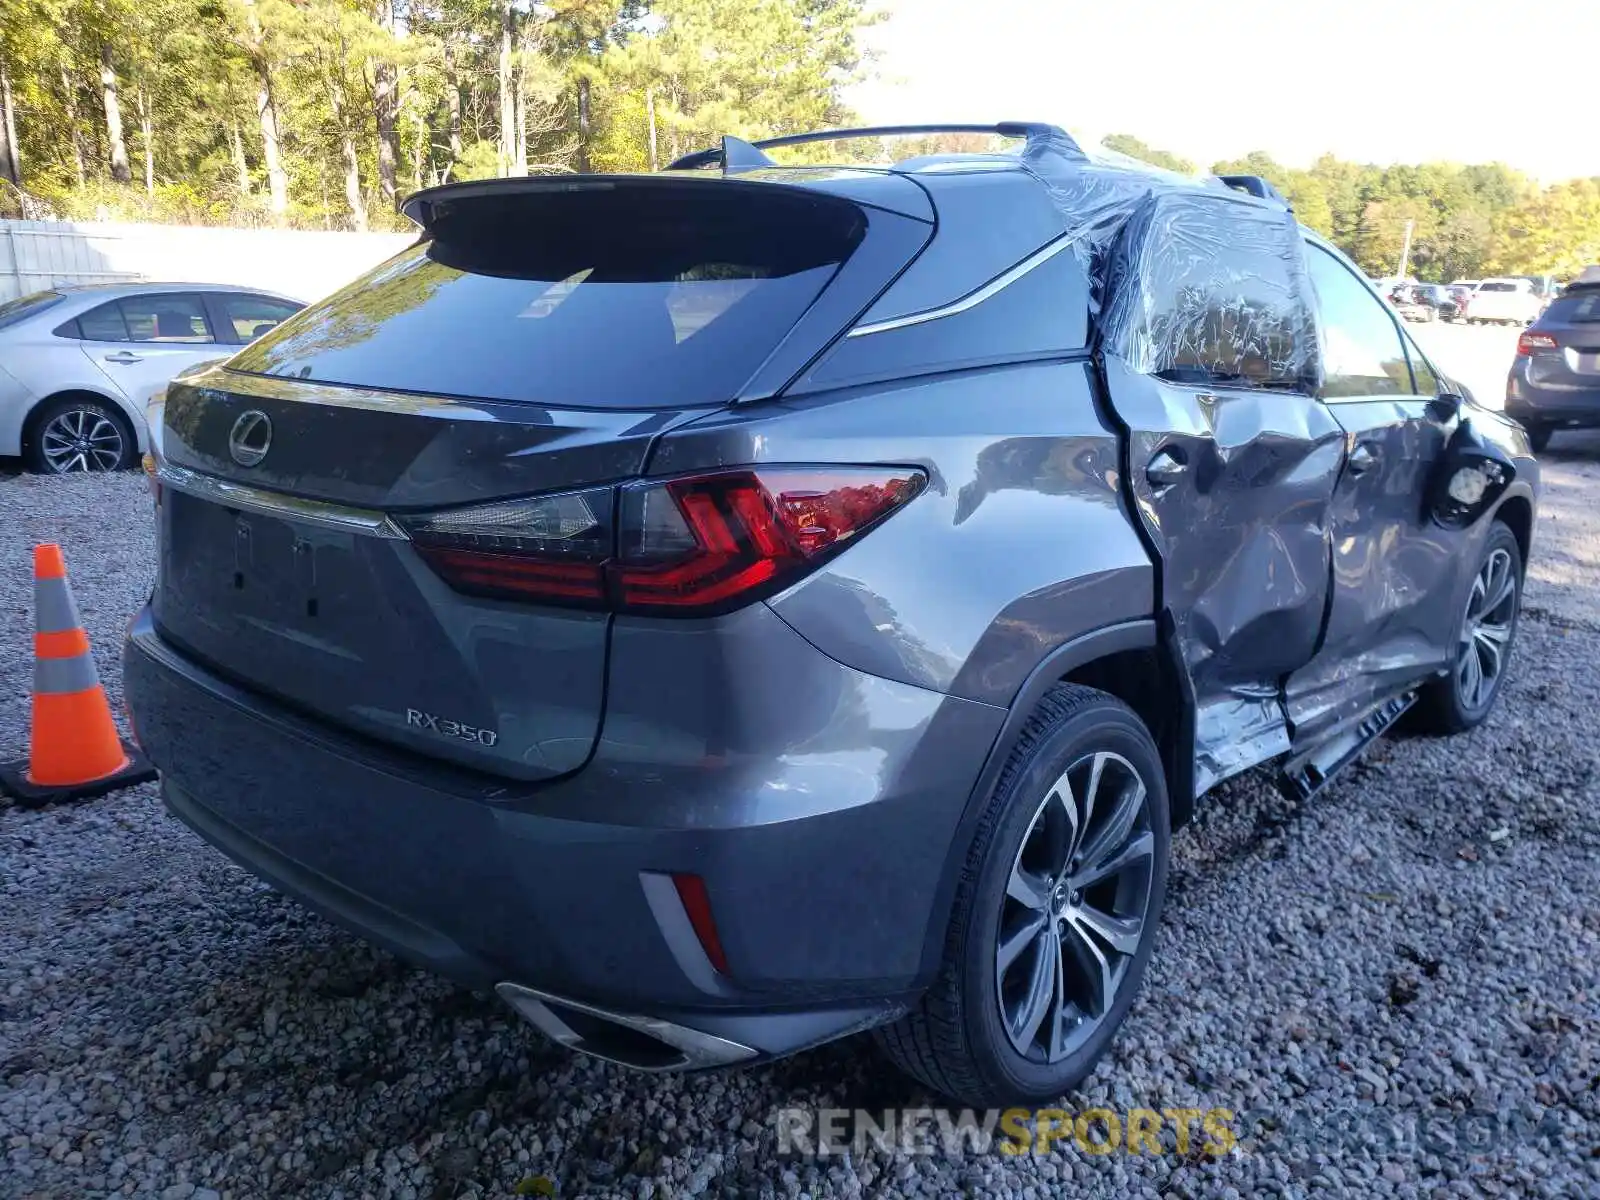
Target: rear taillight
column 544, row 548
column 1532, row 343
column 694, row 545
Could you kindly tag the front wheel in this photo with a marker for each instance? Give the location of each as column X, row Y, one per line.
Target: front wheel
column 1055, row 912
column 1485, row 635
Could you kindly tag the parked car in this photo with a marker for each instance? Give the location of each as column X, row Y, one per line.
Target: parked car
column 1416, row 303
column 1510, row 301
column 76, row 363
column 1458, row 297
column 1555, row 377
column 729, row 609
column 1438, row 298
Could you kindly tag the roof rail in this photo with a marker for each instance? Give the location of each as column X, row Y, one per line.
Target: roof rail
column 736, row 154
column 1254, row 185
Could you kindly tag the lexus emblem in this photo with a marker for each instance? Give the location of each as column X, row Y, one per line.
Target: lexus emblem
column 250, row 438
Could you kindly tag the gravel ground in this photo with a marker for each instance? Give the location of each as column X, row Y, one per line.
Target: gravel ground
column 1399, row 978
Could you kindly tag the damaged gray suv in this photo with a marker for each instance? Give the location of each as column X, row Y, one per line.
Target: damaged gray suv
column 729, row 609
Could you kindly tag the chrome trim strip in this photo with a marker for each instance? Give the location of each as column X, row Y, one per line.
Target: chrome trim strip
column 698, row 1050
column 221, row 377
column 973, row 298
column 278, row 504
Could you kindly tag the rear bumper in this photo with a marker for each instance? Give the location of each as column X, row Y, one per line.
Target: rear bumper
column 1539, row 402
column 822, row 856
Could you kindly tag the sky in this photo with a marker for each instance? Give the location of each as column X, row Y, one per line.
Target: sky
column 1370, row 80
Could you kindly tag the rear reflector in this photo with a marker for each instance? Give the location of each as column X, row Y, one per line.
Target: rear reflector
column 695, row 545
column 697, row 904
column 1532, row 343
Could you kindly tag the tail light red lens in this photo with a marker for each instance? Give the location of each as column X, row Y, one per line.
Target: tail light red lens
column 709, row 541
column 1532, row 343
column 694, row 545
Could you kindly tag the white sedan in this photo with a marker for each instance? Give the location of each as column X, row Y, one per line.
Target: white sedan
column 77, row 363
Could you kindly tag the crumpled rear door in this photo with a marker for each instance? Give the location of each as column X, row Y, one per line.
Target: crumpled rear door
column 1211, row 362
column 1234, row 488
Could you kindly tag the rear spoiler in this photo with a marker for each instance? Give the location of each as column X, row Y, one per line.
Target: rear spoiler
column 736, row 154
column 879, row 189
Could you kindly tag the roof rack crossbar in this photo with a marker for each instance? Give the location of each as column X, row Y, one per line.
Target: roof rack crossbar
column 1254, row 185
column 732, row 154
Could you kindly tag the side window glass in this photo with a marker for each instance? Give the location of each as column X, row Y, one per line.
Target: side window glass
column 251, row 316
column 1208, row 292
column 165, row 318
column 1362, row 354
column 103, row 324
column 1427, row 381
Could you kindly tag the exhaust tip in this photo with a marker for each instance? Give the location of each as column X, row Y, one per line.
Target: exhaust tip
column 628, row 1039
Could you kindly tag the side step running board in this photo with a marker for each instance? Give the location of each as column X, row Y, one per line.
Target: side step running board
column 1306, row 775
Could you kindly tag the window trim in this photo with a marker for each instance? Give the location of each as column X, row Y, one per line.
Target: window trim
column 1340, row 261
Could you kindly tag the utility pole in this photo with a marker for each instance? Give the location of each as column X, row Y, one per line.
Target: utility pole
column 1405, row 251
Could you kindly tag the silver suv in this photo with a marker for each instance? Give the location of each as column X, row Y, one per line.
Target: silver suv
column 732, row 608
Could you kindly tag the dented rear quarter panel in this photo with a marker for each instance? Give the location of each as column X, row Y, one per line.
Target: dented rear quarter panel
column 958, row 592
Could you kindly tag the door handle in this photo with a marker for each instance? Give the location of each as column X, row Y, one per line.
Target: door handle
column 1362, row 459
column 1164, row 469
column 124, row 356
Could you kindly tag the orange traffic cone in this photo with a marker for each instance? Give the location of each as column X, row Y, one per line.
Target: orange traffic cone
column 73, row 749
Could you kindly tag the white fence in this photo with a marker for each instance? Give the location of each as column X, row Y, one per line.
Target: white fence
column 303, row 264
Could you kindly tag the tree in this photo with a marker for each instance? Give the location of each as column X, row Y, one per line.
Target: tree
column 1556, row 232
column 1257, row 162
column 386, row 101
column 1126, row 143
column 321, row 112
column 10, row 159
column 117, row 147
column 259, row 49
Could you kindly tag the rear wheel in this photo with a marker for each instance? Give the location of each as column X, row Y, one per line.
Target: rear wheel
column 1485, row 635
column 76, row 434
column 1538, row 438
column 1055, row 913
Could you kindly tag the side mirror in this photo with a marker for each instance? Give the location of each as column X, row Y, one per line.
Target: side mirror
column 1445, row 406
column 1472, row 474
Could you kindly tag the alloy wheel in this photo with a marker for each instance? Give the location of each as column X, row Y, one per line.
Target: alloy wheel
column 1486, row 631
column 1075, row 907
column 81, row 439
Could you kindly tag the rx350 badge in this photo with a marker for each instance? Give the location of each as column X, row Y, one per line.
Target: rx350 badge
column 444, row 727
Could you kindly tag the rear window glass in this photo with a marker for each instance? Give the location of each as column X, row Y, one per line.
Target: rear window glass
column 1575, row 307
column 1497, row 287
column 642, row 297
column 12, row 311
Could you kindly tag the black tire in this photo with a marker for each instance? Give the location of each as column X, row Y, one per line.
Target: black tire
column 112, row 450
column 955, row 1041
column 1539, row 437
column 1444, row 705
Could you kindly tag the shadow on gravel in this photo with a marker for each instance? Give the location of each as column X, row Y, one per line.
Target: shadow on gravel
column 1576, row 446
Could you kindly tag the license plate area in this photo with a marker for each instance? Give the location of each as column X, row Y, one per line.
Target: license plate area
column 274, row 567
column 259, row 568
column 1584, row 362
